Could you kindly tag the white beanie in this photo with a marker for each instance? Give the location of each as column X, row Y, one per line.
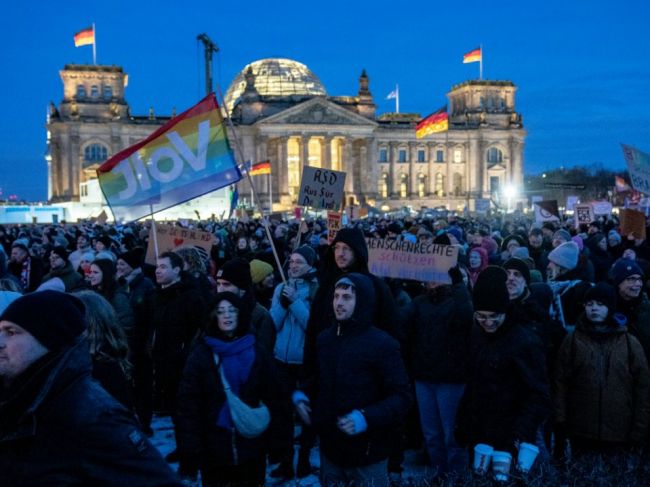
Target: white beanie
column 565, row 255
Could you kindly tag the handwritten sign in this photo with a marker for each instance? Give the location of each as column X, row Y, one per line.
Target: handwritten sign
column 321, row 189
column 602, row 207
column 583, row 214
column 638, row 165
column 632, row 222
column 172, row 238
column 333, row 225
column 420, row 261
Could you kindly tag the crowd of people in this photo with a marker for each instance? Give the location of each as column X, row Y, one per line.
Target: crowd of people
column 539, row 337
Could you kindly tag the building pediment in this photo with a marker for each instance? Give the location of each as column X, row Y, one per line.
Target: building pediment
column 317, row 111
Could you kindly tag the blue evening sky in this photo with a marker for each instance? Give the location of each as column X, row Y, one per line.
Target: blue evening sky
column 582, row 67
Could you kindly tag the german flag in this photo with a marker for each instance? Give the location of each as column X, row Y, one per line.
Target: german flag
column 472, row 56
column 263, row 167
column 84, row 37
column 436, row 122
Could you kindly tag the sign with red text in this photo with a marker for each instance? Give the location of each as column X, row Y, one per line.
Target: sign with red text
column 420, row 261
column 333, row 225
column 172, row 238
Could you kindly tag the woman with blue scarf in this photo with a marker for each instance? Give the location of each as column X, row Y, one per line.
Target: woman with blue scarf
column 208, row 440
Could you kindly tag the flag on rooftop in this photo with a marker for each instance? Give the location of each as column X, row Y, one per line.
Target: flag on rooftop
column 85, row 37
column 392, row 95
column 438, row 121
column 187, row 157
column 263, row 167
column 472, row 56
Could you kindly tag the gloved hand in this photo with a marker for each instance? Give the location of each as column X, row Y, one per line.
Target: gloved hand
column 353, row 423
column 456, row 275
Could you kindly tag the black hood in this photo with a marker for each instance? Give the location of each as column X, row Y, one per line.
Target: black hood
column 365, row 298
column 354, row 238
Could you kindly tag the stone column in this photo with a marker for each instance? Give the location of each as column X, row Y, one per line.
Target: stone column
column 412, row 192
column 75, row 167
column 348, row 165
column 371, row 173
column 516, row 149
column 281, row 182
column 303, row 153
column 431, row 166
column 326, row 158
column 475, row 166
column 392, row 183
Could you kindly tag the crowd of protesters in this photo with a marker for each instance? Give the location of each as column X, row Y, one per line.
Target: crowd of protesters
column 540, row 337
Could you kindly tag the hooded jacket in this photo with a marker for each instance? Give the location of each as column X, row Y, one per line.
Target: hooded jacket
column 359, row 367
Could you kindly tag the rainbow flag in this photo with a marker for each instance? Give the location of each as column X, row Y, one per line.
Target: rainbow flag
column 472, row 56
column 263, row 167
column 187, row 157
column 438, row 121
column 84, row 37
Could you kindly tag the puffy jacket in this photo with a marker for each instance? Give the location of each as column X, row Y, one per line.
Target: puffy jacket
column 72, row 280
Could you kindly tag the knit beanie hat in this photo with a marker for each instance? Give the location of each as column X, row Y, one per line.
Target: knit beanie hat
column 490, row 291
column 563, row 234
column 54, row 318
column 132, row 257
column 624, row 268
column 61, row 252
column 259, row 270
column 307, row 252
column 518, row 265
column 442, row 239
column 579, row 242
column 565, row 255
column 236, row 271
column 521, row 253
column 603, row 293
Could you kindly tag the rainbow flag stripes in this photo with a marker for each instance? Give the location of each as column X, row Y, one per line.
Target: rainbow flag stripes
column 84, row 37
column 473, row 56
column 436, row 122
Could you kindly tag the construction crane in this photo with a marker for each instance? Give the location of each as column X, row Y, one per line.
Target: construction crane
column 210, row 48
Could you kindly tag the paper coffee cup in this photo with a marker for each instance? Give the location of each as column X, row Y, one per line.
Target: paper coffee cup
column 482, row 457
column 526, row 457
column 501, row 461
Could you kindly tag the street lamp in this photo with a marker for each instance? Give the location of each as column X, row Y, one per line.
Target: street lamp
column 510, row 192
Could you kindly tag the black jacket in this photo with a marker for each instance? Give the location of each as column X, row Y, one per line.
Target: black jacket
column 59, row 427
column 507, row 394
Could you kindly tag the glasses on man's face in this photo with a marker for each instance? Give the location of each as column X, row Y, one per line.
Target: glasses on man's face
column 481, row 318
column 227, row 311
column 632, row 279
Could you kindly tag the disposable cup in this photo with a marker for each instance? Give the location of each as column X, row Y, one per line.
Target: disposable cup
column 501, row 461
column 526, row 457
column 482, row 457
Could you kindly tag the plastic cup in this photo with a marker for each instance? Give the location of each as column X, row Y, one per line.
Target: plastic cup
column 526, row 457
column 482, row 457
column 501, row 461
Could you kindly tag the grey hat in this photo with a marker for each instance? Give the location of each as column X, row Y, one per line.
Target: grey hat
column 565, row 255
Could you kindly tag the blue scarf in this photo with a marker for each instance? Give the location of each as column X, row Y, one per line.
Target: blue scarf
column 236, row 358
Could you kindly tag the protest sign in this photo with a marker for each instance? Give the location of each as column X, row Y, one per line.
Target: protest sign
column 172, row 238
column 583, row 214
column 602, row 207
column 546, row 211
column 321, row 189
column 333, row 225
column 632, row 222
column 571, row 202
column 419, row 261
column 638, row 165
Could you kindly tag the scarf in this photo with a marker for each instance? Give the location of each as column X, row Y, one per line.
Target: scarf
column 237, row 359
column 24, row 273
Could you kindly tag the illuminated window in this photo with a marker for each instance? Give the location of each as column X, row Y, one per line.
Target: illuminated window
column 401, row 155
column 336, row 148
column 422, row 185
column 95, row 153
column 94, row 91
column 422, row 155
column 403, row 186
column 440, row 156
column 81, row 91
column 457, row 184
column 108, row 92
column 314, row 149
column 494, row 156
column 383, row 155
column 440, row 185
column 383, row 185
column 293, row 166
column 458, row 155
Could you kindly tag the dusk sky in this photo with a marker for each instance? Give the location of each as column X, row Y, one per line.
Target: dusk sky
column 582, row 68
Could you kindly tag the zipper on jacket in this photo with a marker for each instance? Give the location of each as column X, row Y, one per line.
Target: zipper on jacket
column 368, row 449
column 235, row 455
column 338, row 329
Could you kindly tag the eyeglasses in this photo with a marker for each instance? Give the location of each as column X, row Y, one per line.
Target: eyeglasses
column 633, row 279
column 484, row 319
column 225, row 311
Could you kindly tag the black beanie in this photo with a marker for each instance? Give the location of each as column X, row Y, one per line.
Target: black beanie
column 490, row 291
column 442, row 239
column 603, row 293
column 238, row 272
column 518, row 265
column 132, row 257
column 61, row 252
column 307, row 252
column 54, row 318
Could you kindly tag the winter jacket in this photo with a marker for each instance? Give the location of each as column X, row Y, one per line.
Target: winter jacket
column 262, row 326
column 137, row 286
column 359, row 367
column 291, row 322
column 507, row 394
column 59, row 427
column 438, row 331
column 637, row 313
column 201, row 442
column 603, row 385
column 72, row 280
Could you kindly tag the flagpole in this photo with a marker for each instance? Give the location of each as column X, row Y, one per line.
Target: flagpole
column 95, row 47
column 153, row 231
column 480, row 76
column 270, row 191
column 397, row 99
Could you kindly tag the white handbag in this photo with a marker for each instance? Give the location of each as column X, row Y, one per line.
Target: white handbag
column 249, row 422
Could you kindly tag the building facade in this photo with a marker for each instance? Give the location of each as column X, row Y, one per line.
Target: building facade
column 281, row 112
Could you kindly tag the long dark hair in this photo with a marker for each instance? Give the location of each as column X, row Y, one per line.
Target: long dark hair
column 243, row 316
column 108, row 285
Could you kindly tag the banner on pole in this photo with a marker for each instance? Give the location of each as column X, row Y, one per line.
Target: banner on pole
column 546, row 211
column 187, row 157
column 632, row 222
column 638, row 165
column 419, row 261
column 321, row 189
column 333, row 225
column 172, row 238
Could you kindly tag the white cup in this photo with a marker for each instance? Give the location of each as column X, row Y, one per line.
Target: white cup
column 482, row 457
column 526, row 457
column 501, row 461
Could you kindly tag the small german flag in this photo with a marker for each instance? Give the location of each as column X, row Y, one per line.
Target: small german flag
column 84, row 37
column 436, row 122
column 473, row 56
column 263, row 167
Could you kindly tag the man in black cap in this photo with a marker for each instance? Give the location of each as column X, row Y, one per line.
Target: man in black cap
column 61, row 267
column 632, row 300
column 235, row 277
column 26, row 268
column 58, row 426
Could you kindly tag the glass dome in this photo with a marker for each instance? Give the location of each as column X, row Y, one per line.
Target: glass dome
column 276, row 77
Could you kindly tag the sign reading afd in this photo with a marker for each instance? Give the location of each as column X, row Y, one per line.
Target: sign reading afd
column 321, row 189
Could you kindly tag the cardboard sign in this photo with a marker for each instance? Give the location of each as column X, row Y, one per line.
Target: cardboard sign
column 638, row 165
column 583, row 214
column 421, row 261
column 333, row 225
column 321, row 189
column 602, row 207
column 632, row 221
column 172, row 238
